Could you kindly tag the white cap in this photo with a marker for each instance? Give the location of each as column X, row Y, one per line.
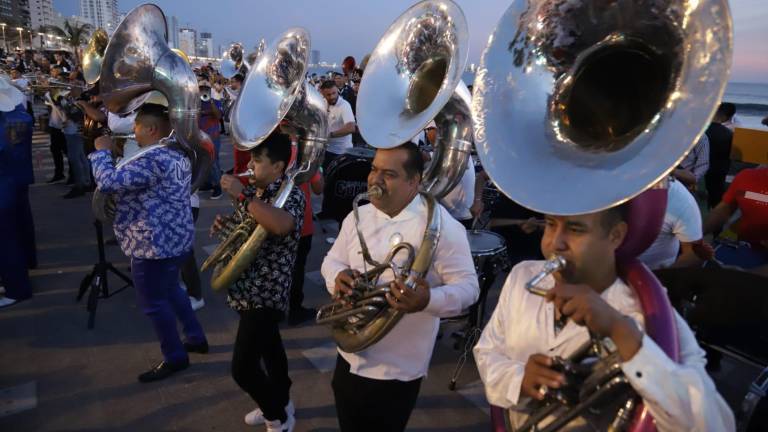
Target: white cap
column 431, row 124
column 10, row 96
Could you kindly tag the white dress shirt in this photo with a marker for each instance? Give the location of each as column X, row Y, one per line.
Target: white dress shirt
column 404, row 353
column 681, row 397
column 339, row 114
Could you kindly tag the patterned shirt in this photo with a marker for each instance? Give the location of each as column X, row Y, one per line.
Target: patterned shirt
column 153, row 219
column 267, row 282
column 697, row 160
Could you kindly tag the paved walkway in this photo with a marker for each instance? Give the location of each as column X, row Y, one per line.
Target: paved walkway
column 55, row 375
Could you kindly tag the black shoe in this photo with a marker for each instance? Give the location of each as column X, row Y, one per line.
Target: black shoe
column 56, row 179
column 161, row 371
column 201, row 348
column 74, row 193
column 300, row 315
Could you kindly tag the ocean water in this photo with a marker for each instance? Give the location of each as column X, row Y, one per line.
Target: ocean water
column 751, row 101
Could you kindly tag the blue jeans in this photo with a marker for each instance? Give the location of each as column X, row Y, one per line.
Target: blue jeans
column 214, row 178
column 163, row 301
column 77, row 160
column 740, row 254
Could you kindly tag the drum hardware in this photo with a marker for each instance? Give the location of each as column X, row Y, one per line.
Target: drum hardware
column 489, row 254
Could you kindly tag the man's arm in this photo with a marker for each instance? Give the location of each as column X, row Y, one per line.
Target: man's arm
column 137, row 175
column 688, row 256
column 680, row 396
column 349, row 122
column 279, row 221
column 92, row 112
column 717, row 218
column 502, row 375
column 337, row 258
column 453, row 264
column 345, row 130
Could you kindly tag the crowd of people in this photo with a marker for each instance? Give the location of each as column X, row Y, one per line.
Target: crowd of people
column 156, row 211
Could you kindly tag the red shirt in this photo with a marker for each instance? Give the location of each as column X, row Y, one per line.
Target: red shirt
column 749, row 191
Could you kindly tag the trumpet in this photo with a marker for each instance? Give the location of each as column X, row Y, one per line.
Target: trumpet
column 246, row 173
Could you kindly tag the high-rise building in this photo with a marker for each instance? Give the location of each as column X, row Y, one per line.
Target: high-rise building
column 188, row 41
column 173, row 32
column 314, row 57
column 41, row 13
column 15, row 13
column 100, row 13
column 205, row 45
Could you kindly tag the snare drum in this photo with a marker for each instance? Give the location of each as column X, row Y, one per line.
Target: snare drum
column 488, row 252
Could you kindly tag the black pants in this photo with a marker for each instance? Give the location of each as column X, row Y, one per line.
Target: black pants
column 189, row 273
column 58, row 150
column 297, row 282
column 364, row 404
column 715, row 184
column 259, row 363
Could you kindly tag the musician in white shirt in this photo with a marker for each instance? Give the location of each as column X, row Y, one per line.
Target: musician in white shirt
column 376, row 389
column 514, row 354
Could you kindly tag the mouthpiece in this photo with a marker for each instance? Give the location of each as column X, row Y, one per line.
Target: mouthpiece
column 375, row 192
column 553, row 264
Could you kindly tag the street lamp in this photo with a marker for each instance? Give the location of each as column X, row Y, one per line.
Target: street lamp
column 5, row 42
column 21, row 38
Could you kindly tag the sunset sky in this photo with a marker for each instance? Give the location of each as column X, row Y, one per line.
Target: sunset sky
column 353, row 27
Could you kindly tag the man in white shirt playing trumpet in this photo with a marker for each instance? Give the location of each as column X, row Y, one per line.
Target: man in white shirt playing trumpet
column 376, row 388
column 515, row 352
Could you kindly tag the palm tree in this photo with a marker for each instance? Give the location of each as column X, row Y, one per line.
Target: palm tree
column 74, row 34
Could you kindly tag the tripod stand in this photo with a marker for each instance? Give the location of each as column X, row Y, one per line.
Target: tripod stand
column 97, row 279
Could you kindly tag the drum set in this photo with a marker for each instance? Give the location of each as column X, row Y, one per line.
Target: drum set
column 489, row 253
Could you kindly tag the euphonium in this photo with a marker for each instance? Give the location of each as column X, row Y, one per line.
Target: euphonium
column 412, row 77
column 582, row 106
column 274, row 94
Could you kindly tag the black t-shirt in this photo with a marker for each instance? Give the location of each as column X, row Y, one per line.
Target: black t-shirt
column 720, row 140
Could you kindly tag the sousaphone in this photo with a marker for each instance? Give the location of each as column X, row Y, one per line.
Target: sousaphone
column 582, row 106
column 274, row 94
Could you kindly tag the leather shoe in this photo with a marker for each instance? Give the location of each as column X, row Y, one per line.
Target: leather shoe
column 162, row 370
column 201, row 348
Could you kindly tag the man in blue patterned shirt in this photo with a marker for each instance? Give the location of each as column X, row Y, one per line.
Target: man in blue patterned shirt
column 261, row 293
column 153, row 224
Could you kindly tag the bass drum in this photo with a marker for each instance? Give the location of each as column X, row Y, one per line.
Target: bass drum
column 347, row 177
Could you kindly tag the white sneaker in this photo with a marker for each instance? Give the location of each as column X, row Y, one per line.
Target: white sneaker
column 256, row 417
column 5, row 301
column 278, row 426
column 196, row 304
